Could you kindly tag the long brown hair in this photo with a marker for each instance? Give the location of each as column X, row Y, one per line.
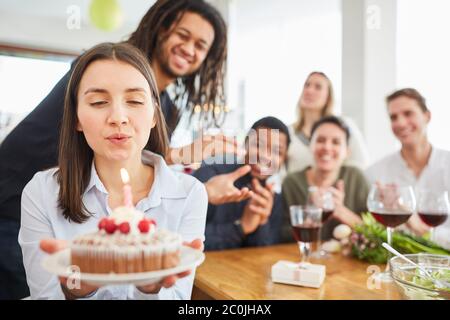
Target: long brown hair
column 75, row 156
column 204, row 87
column 327, row 109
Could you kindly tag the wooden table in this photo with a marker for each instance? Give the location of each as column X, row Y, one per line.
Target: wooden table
column 245, row 274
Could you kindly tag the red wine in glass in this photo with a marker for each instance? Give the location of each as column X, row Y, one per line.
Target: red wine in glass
column 391, row 219
column 433, row 219
column 326, row 214
column 308, row 232
column 391, row 205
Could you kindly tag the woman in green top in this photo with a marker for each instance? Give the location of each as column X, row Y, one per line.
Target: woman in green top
column 348, row 186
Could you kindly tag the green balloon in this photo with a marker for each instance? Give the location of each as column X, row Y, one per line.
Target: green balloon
column 106, row 15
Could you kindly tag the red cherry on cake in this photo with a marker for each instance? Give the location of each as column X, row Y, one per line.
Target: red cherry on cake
column 102, row 223
column 144, row 226
column 110, row 226
column 124, row 227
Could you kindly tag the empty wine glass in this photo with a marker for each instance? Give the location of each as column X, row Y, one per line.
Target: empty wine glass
column 391, row 205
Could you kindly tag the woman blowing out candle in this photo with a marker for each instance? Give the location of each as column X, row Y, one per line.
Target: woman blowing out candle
column 112, row 111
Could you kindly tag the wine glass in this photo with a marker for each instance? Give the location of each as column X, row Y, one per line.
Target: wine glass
column 433, row 208
column 306, row 222
column 391, row 205
column 321, row 198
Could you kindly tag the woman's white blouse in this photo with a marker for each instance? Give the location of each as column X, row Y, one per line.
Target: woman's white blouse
column 177, row 202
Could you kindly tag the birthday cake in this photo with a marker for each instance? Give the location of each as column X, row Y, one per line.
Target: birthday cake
column 126, row 242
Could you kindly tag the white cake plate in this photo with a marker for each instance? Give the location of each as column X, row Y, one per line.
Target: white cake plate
column 59, row 264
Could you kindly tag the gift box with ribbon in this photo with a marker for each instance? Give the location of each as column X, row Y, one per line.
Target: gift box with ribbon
column 301, row 274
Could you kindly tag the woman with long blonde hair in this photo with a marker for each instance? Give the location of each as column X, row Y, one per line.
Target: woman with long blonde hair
column 315, row 102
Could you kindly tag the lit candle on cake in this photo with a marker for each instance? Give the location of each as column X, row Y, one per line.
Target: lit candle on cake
column 127, row 195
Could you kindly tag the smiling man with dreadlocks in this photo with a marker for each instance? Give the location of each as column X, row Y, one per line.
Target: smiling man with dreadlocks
column 189, row 47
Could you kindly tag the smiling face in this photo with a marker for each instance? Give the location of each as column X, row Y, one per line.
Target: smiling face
column 315, row 92
column 115, row 113
column 329, row 147
column 408, row 121
column 186, row 46
column 266, row 152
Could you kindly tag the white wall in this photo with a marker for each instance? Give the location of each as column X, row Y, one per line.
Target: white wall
column 423, row 59
column 275, row 45
column 369, row 69
column 43, row 24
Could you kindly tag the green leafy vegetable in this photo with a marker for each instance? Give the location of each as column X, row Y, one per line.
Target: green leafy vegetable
column 367, row 238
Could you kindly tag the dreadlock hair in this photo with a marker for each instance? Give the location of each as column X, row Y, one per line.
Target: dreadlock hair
column 204, row 89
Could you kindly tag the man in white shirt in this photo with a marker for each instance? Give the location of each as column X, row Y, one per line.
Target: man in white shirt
column 417, row 163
